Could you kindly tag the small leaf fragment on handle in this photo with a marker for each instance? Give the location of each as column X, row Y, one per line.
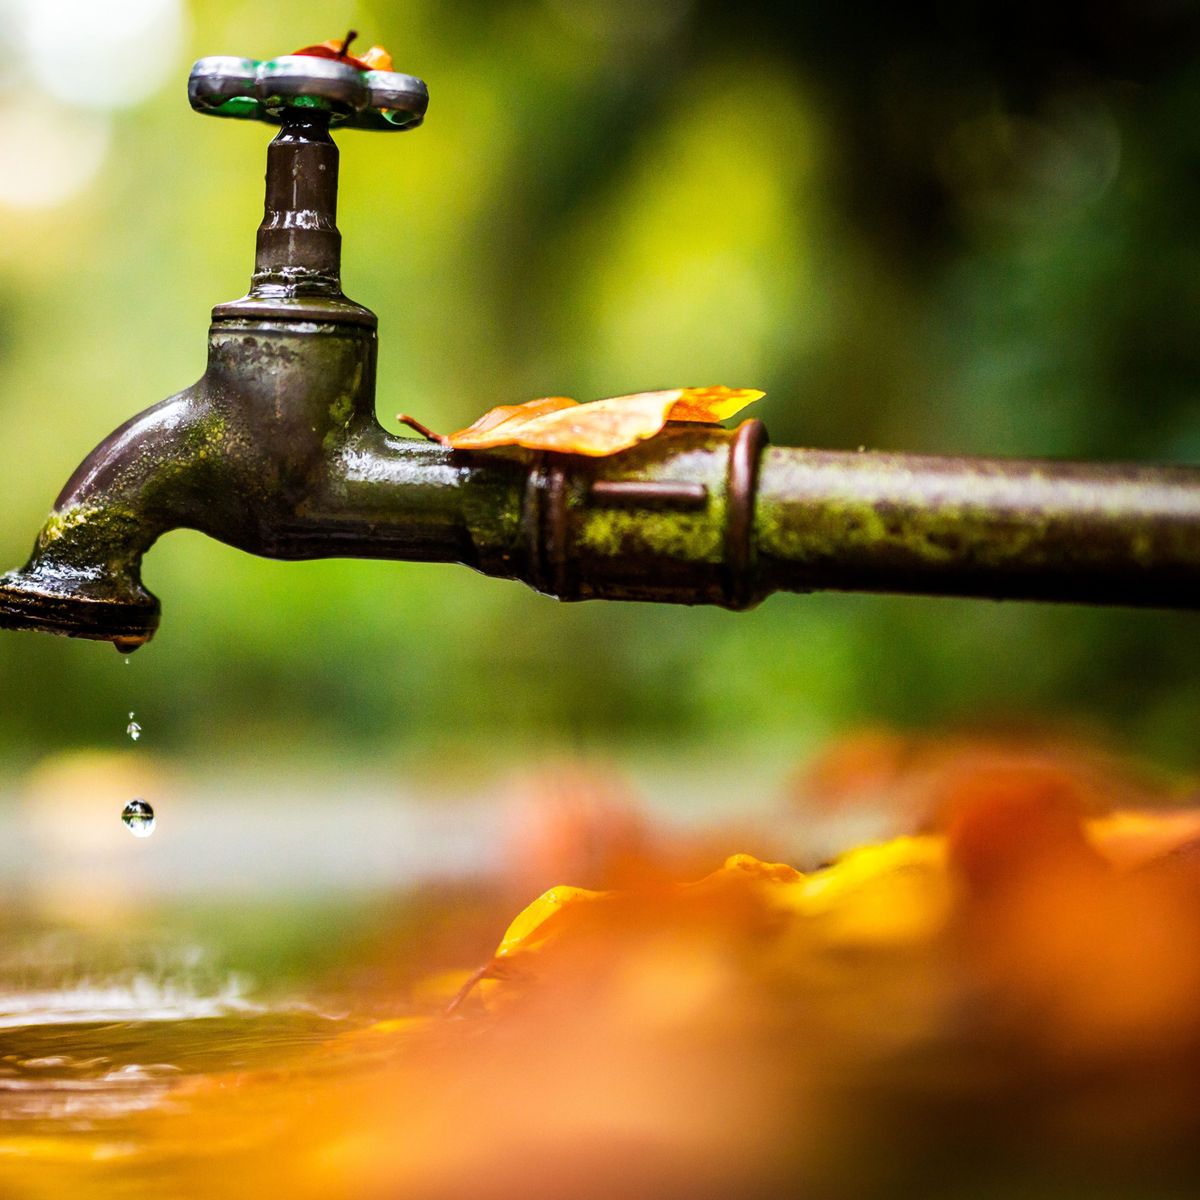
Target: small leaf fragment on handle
column 374, row 59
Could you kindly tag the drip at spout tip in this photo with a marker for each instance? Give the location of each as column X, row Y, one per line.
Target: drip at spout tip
column 62, row 603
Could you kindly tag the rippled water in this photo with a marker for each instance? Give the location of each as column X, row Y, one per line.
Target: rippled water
column 69, row 1069
column 103, row 1034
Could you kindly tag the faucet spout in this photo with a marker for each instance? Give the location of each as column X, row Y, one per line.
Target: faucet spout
column 235, row 456
column 84, row 576
column 276, row 451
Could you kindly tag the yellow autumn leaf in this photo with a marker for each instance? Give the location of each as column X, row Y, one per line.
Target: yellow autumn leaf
column 497, row 424
column 891, row 893
column 597, row 429
column 528, row 928
column 711, row 404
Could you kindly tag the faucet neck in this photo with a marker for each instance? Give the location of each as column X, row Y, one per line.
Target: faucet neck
column 299, row 249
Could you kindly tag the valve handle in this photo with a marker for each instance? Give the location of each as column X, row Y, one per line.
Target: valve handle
column 224, row 86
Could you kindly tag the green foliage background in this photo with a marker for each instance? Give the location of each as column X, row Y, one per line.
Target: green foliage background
column 956, row 229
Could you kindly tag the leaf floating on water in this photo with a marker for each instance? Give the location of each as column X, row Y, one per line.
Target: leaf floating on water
column 597, row 429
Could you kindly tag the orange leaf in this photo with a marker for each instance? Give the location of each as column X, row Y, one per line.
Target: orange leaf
column 492, row 428
column 712, row 404
column 603, row 427
column 376, row 59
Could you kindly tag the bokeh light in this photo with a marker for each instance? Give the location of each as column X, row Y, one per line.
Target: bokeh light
column 102, row 56
column 47, row 153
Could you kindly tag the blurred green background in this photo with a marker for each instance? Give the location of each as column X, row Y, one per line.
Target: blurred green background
column 945, row 228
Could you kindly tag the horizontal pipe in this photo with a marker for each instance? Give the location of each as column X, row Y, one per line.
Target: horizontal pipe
column 1094, row 533
column 696, row 515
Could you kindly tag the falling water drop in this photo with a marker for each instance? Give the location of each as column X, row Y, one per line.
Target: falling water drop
column 133, row 728
column 138, row 817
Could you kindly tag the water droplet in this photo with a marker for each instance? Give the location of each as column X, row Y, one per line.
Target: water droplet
column 138, row 817
column 127, row 660
column 133, row 728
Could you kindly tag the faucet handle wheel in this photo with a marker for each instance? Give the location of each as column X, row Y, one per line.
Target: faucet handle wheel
column 223, row 86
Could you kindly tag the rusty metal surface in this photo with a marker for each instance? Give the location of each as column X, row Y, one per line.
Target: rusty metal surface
column 745, row 454
column 544, row 526
column 1097, row 533
column 638, row 493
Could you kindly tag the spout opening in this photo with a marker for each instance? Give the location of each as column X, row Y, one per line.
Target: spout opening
column 104, row 611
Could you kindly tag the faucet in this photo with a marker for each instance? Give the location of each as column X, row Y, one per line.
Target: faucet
column 277, row 451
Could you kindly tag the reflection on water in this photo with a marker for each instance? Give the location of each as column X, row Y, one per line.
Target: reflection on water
column 73, row 1093
column 140, row 999
column 99, row 1032
column 59, row 1076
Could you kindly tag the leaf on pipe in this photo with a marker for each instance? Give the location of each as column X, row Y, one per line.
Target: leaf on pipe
column 597, row 429
column 497, row 423
column 711, row 404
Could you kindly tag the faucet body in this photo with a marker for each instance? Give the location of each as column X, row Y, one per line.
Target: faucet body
column 277, row 451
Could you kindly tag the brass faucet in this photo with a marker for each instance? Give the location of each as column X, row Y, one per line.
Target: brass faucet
column 277, row 450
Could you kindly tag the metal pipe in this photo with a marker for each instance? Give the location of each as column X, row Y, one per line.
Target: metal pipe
column 705, row 516
column 1094, row 533
column 298, row 249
